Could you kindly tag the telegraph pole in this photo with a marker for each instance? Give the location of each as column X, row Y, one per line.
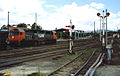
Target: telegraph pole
column 35, row 17
column 8, row 27
column 35, row 21
column 8, row 19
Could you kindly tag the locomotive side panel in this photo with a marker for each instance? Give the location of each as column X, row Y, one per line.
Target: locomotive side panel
column 39, row 37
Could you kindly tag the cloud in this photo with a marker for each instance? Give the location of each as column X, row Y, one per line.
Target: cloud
column 1, row 9
column 21, row 10
column 53, row 6
column 113, row 21
column 118, row 14
column 97, row 6
column 83, row 17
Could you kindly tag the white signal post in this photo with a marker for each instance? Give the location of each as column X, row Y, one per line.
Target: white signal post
column 103, row 28
column 106, row 29
column 71, row 42
column 100, row 29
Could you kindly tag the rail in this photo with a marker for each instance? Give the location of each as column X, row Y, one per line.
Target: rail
column 92, row 69
column 84, row 64
column 54, row 72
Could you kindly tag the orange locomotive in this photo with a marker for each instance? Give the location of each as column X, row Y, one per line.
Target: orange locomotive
column 24, row 36
column 15, row 36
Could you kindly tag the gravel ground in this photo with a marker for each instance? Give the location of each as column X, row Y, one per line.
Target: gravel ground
column 44, row 66
column 108, row 70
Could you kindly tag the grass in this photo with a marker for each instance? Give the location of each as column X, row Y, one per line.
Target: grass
column 87, row 54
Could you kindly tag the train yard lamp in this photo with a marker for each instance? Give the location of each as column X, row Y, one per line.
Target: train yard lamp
column 103, row 27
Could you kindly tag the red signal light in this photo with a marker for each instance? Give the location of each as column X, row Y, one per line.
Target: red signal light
column 98, row 14
column 67, row 30
column 107, row 14
column 68, row 26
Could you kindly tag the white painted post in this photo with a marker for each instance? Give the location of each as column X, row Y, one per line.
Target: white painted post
column 106, row 30
column 70, row 51
column 100, row 29
column 103, row 38
column 75, row 35
column 78, row 34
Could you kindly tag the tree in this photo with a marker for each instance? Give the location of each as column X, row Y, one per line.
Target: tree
column 4, row 27
column 35, row 26
column 13, row 25
column 22, row 25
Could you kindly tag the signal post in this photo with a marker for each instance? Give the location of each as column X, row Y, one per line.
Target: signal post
column 71, row 41
column 104, row 37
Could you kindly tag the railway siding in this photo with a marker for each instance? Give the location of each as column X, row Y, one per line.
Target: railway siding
column 60, row 50
column 73, row 65
column 111, row 67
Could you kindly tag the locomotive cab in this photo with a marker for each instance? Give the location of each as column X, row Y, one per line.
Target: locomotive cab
column 16, row 36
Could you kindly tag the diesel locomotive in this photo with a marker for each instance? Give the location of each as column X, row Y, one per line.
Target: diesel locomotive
column 19, row 36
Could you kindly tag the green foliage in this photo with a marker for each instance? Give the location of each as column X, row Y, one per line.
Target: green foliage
column 13, row 25
column 35, row 26
column 4, row 27
column 21, row 25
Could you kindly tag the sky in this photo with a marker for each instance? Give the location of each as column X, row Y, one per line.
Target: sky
column 52, row 14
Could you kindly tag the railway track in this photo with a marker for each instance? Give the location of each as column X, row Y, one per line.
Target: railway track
column 12, row 61
column 65, row 43
column 97, row 63
column 31, row 51
column 89, row 67
column 17, row 60
column 69, row 67
column 17, row 57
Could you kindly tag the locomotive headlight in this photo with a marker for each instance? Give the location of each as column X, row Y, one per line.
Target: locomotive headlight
column 13, row 37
